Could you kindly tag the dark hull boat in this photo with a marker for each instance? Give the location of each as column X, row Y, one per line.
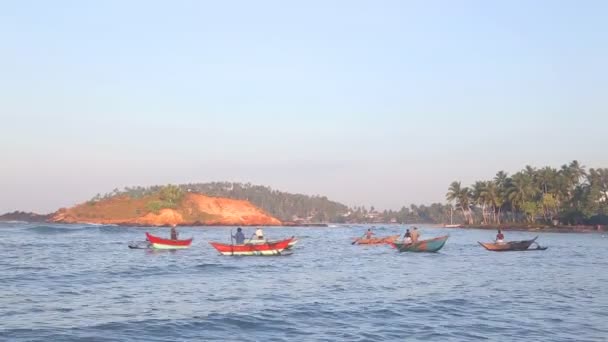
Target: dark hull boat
column 523, row 245
column 430, row 245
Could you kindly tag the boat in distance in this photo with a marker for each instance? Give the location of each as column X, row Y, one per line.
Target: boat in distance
column 160, row 243
column 376, row 240
column 523, row 245
column 429, row 245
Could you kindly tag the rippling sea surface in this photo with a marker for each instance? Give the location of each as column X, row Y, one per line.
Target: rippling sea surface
column 81, row 282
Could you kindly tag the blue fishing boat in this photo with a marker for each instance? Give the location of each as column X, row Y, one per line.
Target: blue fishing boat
column 430, row 245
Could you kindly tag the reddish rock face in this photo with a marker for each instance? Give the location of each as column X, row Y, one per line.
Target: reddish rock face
column 194, row 209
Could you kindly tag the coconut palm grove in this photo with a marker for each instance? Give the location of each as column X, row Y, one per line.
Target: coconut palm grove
column 568, row 195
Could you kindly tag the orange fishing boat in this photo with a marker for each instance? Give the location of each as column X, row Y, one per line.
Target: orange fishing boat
column 375, row 241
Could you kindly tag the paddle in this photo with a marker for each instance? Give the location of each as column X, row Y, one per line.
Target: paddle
column 357, row 240
column 231, row 243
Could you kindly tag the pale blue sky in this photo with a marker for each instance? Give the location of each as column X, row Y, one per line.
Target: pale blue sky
column 368, row 102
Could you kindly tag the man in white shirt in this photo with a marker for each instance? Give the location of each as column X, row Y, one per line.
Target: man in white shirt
column 259, row 234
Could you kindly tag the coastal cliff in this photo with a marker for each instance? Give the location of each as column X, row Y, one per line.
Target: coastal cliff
column 190, row 209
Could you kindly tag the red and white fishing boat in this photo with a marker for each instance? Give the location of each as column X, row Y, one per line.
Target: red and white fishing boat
column 160, row 243
column 258, row 242
column 249, row 249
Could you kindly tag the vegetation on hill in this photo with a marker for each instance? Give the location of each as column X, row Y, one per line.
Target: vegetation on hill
column 568, row 195
column 283, row 205
column 164, row 205
column 287, row 207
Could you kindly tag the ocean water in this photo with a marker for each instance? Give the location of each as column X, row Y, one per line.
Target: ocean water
column 82, row 283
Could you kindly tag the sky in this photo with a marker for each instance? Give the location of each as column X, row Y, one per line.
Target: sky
column 379, row 103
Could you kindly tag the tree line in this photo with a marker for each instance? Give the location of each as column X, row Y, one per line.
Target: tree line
column 568, row 195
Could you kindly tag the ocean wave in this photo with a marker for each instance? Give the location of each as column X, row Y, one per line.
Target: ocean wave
column 113, row 229
column 216, row 266
column 215, row 327
column 48, row 229
column 55, row 229
column 140, row 272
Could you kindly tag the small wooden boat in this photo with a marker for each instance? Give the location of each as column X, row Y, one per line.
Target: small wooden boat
column 251, row 249
column 453, row 226
column 523, row 245
column 375, row 241
column 160, row 243
column 430, row 245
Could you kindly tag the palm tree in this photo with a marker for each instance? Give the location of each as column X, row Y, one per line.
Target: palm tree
column 462, row 197
column 577, row 171
column 520, row 190
column 464, row 200
column 547, row 183
column 502, row 181
column 546, row 178
column 479, row 198
column 453, row 192
column 493, row 198
column 599, row 179
column 530, row 171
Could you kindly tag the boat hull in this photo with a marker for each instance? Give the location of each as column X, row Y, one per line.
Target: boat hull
column 160, row 243
column 293, row 242
column 430, row 245
column 511, row 246
column 267, row 248
column 376, row 241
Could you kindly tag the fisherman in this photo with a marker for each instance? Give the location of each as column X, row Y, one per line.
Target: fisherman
column 415, row 234
column 259, row 234
column 369, row 233
column 500, row 238
column 407, row 238
column 173, row 233
column 239, row 236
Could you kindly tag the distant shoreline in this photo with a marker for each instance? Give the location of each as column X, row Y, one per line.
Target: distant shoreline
column 35, row 218
column 539, row 228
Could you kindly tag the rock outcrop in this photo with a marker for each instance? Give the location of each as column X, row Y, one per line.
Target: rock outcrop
column 192, row 210
column 25, row 217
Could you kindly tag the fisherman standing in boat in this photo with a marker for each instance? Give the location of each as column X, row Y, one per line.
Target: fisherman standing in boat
column 500, row 238
column 173, row 232
column 415, row 234
column 407, row 238
column 239, row 236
